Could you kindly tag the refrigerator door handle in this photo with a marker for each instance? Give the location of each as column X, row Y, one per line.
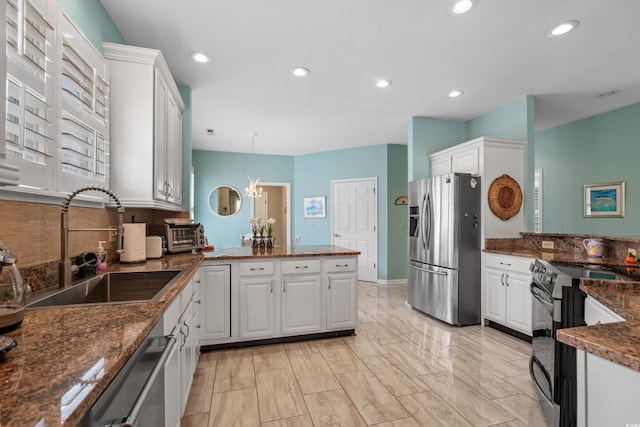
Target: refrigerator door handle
column 421, row 223
column 426, row 270
column 427, row 218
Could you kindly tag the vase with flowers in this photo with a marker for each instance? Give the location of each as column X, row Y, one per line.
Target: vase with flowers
column 257, row 228
column 270, row 238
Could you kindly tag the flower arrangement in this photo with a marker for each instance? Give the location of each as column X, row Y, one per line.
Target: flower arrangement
column 259, row 226
column 256, row 226
column 270, row 223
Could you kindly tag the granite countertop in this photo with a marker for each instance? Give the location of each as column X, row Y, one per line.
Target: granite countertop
column 67, row 356
column 231, row 253
column 618, row 342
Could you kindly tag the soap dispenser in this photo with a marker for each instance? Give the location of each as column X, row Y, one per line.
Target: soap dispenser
column 101, row 253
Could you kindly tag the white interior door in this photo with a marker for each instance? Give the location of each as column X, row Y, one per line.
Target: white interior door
column 354, row 222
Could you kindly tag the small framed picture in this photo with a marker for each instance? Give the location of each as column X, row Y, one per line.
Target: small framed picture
column 315, row 207
column 604, row 200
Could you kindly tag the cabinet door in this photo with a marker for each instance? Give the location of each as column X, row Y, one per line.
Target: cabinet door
column 518, row 302
column 440, row 165
column 216, row 298
column 465, row 161
column 494, row 295
column 342, row 301
column 257, row 309
column 301, row 304
column 186, row 355
column 160, row 138
column 174, row 153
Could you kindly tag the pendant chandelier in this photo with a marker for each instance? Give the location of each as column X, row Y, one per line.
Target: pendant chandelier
column 253, row 191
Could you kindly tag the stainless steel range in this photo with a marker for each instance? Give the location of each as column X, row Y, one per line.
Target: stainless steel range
column 557, row 303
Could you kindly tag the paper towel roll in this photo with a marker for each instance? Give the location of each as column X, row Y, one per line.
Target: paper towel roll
column 135, row 243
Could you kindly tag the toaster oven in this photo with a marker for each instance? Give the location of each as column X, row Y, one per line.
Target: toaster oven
column 184, row 237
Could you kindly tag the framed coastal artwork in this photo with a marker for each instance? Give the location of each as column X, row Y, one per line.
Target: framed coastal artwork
column 604, row 200
column 315, row 207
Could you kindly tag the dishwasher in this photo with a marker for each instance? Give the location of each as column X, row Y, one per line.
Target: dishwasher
column 135, row 397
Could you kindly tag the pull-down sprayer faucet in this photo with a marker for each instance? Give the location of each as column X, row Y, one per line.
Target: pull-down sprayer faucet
column 65, row 262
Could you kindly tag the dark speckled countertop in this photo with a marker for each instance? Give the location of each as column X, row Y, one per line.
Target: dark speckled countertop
column 618, row 342
column 67, row 356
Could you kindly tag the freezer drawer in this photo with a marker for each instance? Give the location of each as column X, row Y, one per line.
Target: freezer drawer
column 434, row 291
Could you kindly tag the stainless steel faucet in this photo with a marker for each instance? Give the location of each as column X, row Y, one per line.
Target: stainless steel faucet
column 65, row 262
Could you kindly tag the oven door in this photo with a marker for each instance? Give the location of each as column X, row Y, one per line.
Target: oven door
column 541, row 365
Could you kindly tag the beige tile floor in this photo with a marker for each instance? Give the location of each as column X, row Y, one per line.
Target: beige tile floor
column 401, row 369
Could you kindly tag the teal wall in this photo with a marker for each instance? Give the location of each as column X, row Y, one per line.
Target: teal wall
column 93, row 20
column 398, row 215
column 427, row 135
column 310, row 175
column 214, row 168
column 598, row 149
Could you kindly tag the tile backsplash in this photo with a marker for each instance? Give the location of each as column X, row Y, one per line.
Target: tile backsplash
column 32, row 232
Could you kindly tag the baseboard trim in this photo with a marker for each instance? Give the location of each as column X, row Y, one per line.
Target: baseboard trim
column 278, row 340
column 392, row 281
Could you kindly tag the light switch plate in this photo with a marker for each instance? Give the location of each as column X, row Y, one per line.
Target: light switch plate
column 547, row 244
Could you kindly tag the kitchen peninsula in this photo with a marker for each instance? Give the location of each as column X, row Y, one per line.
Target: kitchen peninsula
column 67, row 356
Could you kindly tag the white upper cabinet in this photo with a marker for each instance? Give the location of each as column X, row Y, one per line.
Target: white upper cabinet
column 146, row 115
column 490, row 158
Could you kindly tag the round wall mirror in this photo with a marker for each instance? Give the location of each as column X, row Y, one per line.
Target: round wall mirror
column 224, row 200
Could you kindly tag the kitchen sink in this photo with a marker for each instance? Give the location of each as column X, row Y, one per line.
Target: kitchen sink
column 112, row 288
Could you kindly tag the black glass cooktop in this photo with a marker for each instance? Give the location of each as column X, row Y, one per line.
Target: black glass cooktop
column 603, row 272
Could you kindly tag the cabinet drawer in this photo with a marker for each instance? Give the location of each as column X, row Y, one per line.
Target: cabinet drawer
column 305, row 266
column 340, row 265
column 506, row 262
column 256, row 268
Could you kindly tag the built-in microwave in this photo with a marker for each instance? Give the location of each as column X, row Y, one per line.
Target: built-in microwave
column 184, row 237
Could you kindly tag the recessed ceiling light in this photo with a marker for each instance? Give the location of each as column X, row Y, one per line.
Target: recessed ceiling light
column 383, row 83
column 199, row 57
column 300, row 71
column 458, row 7
column 455, row 93
column 563, row 28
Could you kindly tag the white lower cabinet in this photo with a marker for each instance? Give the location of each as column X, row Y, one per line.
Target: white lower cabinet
column 342, row 306
column 257, row 308
column 216, row 302
column 507, row 299
column 245, row 300
column 301, row 305
column 180, row 321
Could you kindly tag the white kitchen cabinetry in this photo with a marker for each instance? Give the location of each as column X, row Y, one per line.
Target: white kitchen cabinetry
column 257, row 300
column 146, row 128
column 490, row 158
column 607, row 391
column 216, row 302
column 342, row 293
column 301, row 297
column 507, row 299
column 280, row 297
column 180, row 320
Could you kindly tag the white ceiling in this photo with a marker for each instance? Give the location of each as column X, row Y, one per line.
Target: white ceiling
column 497, row 53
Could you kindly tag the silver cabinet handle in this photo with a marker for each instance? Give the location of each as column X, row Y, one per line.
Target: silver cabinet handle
column 271, row 287
column 502, row 279
column 342, row 265
column 302, row 267
column 506, row 278
column 337, row 235
column 256, row 268
column 505, row 263
column 284, row 287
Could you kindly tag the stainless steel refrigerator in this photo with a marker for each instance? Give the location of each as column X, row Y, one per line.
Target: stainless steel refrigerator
column 445, row 247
